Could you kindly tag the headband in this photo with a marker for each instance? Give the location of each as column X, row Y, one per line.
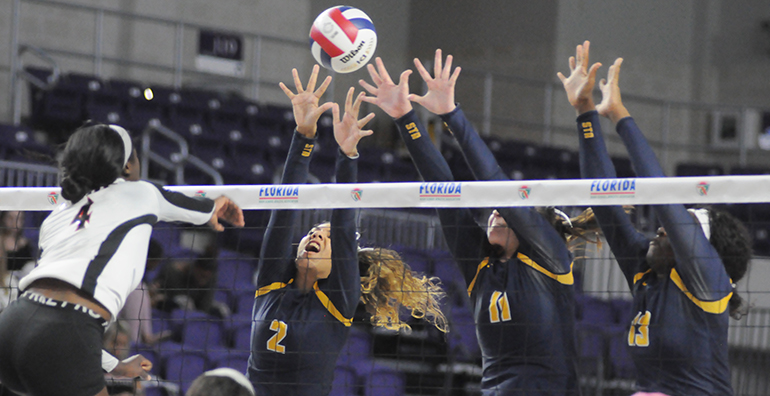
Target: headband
column 233, row 375
column 127, row 146
column 703, row 217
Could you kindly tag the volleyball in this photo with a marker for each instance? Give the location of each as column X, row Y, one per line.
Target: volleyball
column 343, row 39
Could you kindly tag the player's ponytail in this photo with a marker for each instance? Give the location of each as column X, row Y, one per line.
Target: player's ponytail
column 387, row 284
column 93, row 158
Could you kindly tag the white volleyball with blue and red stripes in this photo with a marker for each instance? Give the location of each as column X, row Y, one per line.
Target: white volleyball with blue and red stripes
column 343, row 39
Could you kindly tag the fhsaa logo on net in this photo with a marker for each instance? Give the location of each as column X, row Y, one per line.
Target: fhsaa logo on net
column 272, row 194
column 440, row 191
column 613, row 188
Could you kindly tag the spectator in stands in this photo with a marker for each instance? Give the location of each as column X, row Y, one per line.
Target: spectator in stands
column 19, row 250
column 190, row 285
column 137, row 312
column 518, row 268
column 9, row 285
column 683, row 280
column 305, row 301
column 221, row 382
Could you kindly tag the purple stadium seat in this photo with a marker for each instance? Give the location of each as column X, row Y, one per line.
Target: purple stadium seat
column 621, row 364
column 200, row 330
column 234, row 359
column 184, row 367
column 242, row 336
column 461, row 338
column 384, row 382
column 244, row 302
column 235, row 275
column 357, row 351
column 345, row 382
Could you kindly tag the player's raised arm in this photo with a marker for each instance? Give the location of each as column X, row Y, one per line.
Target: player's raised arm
column 463, row 235
column 276, row 253
column 628, row 245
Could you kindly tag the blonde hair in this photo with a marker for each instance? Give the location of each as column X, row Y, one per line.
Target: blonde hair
column 387, row 284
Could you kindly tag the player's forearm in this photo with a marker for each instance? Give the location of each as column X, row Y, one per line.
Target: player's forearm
column 476, row 152
column 426, row 157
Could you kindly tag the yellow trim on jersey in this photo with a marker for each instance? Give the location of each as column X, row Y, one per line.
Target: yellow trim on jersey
column 565, row 279
column 473, row 282
column 273, row 286
column 715, row 307
column 330, row 306
column 640, row 275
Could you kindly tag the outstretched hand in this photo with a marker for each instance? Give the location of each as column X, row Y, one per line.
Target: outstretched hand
column 611, row 105
column 347, row 130
column 580, row 84
column 305, row 101
column 440, row 98
column 391, row 98
column 228, row 211
column 136, row 366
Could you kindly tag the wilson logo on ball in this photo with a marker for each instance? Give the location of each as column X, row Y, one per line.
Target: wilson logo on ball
column 343, row 39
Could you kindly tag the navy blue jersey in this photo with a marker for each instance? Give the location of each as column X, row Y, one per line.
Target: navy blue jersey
column 523, row 307
column 678, row 338
column 296, row 337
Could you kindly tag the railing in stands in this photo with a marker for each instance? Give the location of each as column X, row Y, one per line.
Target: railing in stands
column 19, row 174
column 177, row 162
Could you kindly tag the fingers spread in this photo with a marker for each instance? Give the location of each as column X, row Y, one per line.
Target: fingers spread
column 357, row 103
column 322, row 89
column 365, row 120
column 336, row 114
column 313, row 78
column 421, row 69
column 286, row 90
column 437, row 64
column 368, row 87
column 383, row 71
column 297, row 82
column 376, row 79
column 447, row 67
column 455, row 74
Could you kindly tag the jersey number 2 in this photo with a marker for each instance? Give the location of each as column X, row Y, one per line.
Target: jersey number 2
column 639, row 333
column 274, row 343
column 499, row 309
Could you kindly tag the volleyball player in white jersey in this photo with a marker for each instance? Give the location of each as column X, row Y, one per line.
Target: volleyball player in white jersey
column 93, row 251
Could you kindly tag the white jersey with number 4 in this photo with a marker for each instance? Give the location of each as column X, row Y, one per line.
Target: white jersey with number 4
column 99, row 244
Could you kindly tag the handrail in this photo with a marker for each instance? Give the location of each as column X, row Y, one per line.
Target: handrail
column 176, row 163
column 20, row 174
column 33, row 79
column 18, row 73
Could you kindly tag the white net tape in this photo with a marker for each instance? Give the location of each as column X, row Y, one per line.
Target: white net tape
column 582, row 192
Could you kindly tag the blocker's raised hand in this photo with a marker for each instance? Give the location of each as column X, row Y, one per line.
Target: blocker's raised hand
column 305, row 101
column 391, row 98
column 347, row 130
column 612, row 106
column 440, row 98
column 580, row 84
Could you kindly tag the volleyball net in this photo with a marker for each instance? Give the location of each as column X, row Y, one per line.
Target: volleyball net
column 192, row 327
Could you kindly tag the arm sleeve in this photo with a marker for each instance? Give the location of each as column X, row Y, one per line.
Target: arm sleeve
column 463, row 235
column 109, row 362
column 697, row 262
column 275, row 262
column 628, row 245
column 537, row 238
column 343, row 286
column 174, row 206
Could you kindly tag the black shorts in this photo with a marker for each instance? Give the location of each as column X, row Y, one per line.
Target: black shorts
column 47, row 349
